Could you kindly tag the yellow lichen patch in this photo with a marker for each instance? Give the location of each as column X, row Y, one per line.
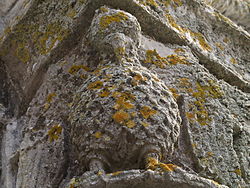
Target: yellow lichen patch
column 105, row 21
column 7, row 30
column 184, row 82
column 104, row 93
column 154, row 164
column 238, row 172
column 172, row 22
column 122, row 103
column 215, row 182
column 133, row 114
column 95, row 85
column 116, row 173
column 233, row 61
column 190, row 116
column 55, row 132
column 174, row 92
column 194, row 145
column 125, row 95
column 22, row 53
column 130, row 124
column 144, row 124
column 50, row 97
column 156, row 79
column 103, row 9
column 223, row 18
column 167, row 167
column 178, row 2
column 72, row 183
column 151, row 163
column 179, row 50
column 210, row 154
column 147, row 112
column 226, row 40
column 119, row 52
column 138, row 78
column 149, row 3
column 71, row 13
column 46, row 106
column 153, row 57
column 121, row 116
column 99, row 173
column 175, row 59
column 75, row 68
column 202, row 94
column 45, row 41
column 219, row 45
column 201, row 39
column 98, row 134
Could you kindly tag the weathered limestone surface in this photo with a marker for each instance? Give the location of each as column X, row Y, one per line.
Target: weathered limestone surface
column 132, row 93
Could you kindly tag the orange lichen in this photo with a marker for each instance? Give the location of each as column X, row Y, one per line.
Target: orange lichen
column 219, row 45
column 178, row 2
column 226, row 40
column 153, row 57
column 179, row 50
column 194, row 145
column 75, row 68
column 154, row 164
column 201, row 39
column 50, row 97
column 133, row 114
column 172, row 22
column 71, row 13
column 125, row 95
column 98, row 134
column 104, row 93
column 210, row 154
column 121, row 116
column 120, row 52
column 151, row 163
column 99, row 173
column 105, row 21
column 175, row 59
column 95, row 85
column 55, row 132
column 168, row 167
column 147, row 112
column 103, row 9
column 116, row 173
column 72, row 183
column 46, row 106
column 122, row 103
column 215, row 182
column 174, row 92
column 233, row 61
column 202, row 93
column 144, row 124
column 151, row 3
column 137, row 79
column 190, row 116
column 238, row 172
column 184, row 82
column 130, row 124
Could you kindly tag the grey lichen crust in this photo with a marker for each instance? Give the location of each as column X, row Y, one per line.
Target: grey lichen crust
column 123, row 112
